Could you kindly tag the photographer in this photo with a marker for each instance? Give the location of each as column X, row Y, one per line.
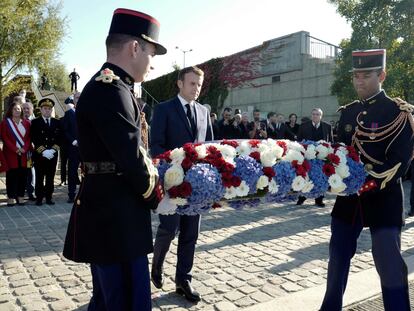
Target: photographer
column 228, row 126
column 257, row 128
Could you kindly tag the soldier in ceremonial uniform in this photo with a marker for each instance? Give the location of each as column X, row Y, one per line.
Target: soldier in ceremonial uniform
column 45, row 133
column 381, row 129
column 110, row 223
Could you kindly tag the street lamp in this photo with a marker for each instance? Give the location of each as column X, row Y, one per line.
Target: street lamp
column 184, row 51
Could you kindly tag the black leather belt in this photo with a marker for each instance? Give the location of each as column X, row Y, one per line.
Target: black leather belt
column 99, row 168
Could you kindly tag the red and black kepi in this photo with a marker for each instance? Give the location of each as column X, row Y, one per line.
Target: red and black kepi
column 366, row 60
column 137, row 24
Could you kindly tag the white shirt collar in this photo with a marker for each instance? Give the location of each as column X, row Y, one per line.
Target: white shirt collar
column 316, row 124
column 184, row 102
column 45, row 119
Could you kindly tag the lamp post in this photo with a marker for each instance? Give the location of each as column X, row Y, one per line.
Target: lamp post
column 184, row 51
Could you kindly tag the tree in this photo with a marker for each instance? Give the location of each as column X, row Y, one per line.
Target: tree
column 30, row 34
column 57, row 75
column 385, row 24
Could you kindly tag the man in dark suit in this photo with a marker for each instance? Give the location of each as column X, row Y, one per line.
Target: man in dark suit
column 315, row 130
column 70, row 132
column 45, row 134
column 176, row 122
column 110, row 223
column 381, row 129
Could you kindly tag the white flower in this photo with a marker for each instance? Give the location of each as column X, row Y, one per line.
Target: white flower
column 201, row 151
column 308, row 186
column 244, row 149
column 310, row 152
column 262, row 182
column 179, row 201
column 268, row 158
column 343, row 171
column 174, row 176
column 293, row 145
column 273, row 187
column 342, row 158
column 166, row 206
column 322, row 152
column 177, row 156
column 336, row 183
column 230, row 193
column 243, row 189
column 227, row 151
column 278, row 151
column 293, row 155
column 298, row 183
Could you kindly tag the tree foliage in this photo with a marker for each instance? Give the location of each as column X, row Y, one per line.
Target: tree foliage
column 57, row 75
column 30, row 33
column 385, row 24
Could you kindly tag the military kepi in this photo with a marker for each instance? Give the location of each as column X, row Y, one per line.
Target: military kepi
column 137, row 24
column 46, row 102
column 364, row 60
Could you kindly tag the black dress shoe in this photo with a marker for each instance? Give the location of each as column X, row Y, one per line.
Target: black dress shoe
column 32, row 198
column 300, row 200
column 39, row 202
column 157, row 279
column 50, row 202
column 319, row 203
column 185, row 289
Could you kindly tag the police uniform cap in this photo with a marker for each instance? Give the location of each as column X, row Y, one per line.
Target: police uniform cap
column 367, row 60
column 137, row 24
column 46, row 102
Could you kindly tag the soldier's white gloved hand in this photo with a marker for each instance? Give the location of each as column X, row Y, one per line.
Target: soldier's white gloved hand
column 75, row 143
column 52, row 151
column 45, row 154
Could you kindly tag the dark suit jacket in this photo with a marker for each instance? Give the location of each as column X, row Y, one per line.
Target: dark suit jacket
column 274, row 133
column 305, row 131
column 170, row 127
column 70, row 129
column 45, row 137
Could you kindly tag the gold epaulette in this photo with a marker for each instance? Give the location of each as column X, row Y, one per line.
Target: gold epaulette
column 107, row 76
column 347, row 105
column 403, row 105
column 40, row 149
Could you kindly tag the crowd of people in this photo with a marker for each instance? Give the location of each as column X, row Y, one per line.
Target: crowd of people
column 31, row 148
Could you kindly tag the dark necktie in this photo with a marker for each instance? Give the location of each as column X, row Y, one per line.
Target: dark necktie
column 191, row 119
column 47, row 122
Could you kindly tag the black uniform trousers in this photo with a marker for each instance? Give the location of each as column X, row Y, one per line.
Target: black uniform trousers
column 73, row 85
column 188, row 228
column 16, row 181
column 45, row 174
column 123, row 286
column 412, row 190
column 386, row 251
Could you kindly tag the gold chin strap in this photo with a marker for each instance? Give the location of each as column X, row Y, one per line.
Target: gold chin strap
column 388, row 175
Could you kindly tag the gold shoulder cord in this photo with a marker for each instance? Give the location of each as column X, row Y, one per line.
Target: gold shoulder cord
column 144, row 130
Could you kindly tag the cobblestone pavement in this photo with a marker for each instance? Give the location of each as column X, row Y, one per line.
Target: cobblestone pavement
column 243, row 257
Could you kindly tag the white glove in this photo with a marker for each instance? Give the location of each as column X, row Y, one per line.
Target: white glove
column 52, row 152
column 48, row 154
column 75, row 143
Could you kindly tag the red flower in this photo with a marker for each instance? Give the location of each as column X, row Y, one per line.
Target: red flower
column 295, row 163
column 254, row 143
column 182, row 191
column 216, row 205
column 165, row 156
column 236, row 181
column 226, row 182
column 354, row 156
column 334, row 158
column 326, row 145
column 301, row 171
column 173, row 192
column 226, row 175
column 328, row 169
column 269, row 172
column 255, row 155
column 232, row 143
column 306, row 165
column 283, row 145
column 227, row 167
column 186, row 164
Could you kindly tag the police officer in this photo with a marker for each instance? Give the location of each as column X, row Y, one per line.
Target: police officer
column 45, row 134
column 379, row 127
column 110, row 223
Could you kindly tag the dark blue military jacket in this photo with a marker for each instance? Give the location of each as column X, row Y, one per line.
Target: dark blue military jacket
column 110, row 221
column 381, row 130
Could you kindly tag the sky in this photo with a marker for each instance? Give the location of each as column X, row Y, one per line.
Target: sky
column 211, row 28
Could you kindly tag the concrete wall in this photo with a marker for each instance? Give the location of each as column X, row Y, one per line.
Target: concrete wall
column 304, row 81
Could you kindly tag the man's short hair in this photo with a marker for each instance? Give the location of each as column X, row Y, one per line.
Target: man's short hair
column 279, row 114
column 227, row 109
column 192, row 69
column 270, row 114
column 318, row 110
column 116, row 41
column 256, row 110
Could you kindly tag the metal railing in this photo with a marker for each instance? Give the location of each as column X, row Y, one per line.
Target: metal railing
column 322, row 49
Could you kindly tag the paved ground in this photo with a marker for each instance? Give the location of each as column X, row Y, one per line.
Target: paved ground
column 243, row 259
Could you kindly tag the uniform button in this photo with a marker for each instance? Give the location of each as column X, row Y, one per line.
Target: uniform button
column 362, row 122
column 361, row 142
column 364, row 112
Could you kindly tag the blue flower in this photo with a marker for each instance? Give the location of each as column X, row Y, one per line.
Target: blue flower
column 356, row 178
column 249, row 170
column 162, row 168
column 319, row 179
column 285, row 174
